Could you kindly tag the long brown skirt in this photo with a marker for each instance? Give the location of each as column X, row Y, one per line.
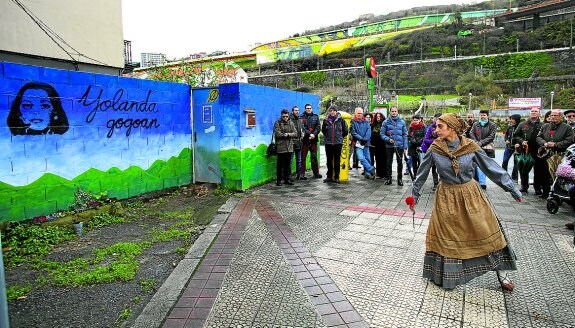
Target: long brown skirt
column 464, row 238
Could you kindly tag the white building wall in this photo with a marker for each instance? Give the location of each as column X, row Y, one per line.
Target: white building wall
column 92, row 27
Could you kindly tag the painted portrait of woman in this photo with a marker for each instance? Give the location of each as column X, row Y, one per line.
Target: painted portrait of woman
column 37, row 110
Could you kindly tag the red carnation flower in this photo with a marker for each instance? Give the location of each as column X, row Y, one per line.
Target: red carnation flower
column 410, row 200
column 551, row 132
column 526, row 126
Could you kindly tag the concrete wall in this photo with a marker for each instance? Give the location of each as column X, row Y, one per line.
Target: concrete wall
column 60, row 130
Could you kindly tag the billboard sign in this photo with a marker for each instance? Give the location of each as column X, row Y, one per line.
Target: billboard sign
column 524, row 103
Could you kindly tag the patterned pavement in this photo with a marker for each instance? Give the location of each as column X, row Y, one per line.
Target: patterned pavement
column 349, row 255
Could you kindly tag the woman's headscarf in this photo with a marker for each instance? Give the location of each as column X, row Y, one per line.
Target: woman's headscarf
column 455, row 122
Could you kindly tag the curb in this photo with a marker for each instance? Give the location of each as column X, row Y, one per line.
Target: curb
column 168, row 294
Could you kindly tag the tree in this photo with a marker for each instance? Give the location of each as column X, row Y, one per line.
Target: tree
column 565, row 99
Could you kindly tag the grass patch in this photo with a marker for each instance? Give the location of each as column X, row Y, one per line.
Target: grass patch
column 123, row 316
column 114, row 263
column 29, row 242
column 15, row 292
column 148, row 285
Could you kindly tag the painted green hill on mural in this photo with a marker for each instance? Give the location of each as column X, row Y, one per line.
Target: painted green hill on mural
column 51, row 193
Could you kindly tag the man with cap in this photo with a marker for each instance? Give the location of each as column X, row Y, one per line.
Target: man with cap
column 570, row 116
column 509, row 146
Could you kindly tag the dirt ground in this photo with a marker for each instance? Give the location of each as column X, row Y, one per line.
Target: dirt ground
column 102, row 305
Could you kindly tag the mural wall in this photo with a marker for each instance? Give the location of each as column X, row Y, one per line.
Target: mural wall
column 60, row 130
column 246, row 114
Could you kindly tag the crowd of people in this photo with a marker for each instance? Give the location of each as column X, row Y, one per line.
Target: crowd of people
column 465, row 238
column 375, row 140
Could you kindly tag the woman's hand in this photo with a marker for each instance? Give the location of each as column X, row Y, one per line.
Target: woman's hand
column 412, row 208
column 520, row 200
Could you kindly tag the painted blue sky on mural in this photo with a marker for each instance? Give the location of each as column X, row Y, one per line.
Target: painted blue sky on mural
column 66, row 129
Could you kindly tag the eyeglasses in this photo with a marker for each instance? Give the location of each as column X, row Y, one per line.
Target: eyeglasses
column 308, row 108
column 285, row 115
column 570, row 116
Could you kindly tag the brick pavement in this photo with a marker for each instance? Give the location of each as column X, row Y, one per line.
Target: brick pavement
column 349, row 255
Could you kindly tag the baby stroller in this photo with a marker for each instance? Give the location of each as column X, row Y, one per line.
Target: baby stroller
column 563, row 188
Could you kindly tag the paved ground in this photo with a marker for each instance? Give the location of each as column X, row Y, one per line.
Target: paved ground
column 325, row 255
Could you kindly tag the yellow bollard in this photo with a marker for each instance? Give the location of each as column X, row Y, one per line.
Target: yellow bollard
column 345, row 149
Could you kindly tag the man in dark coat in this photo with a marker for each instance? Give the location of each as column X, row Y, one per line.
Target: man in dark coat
column 525, row 135
column 483, row 133
column 415, row 136
column 555, row 136
column 509, row 146
column 334, row 130
column 294, row 117
column 310, row 122
column 284, row 132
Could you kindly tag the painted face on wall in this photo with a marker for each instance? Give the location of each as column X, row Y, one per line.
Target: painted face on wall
column 36, row 108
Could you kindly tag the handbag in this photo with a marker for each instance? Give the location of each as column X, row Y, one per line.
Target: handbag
column 272, row 148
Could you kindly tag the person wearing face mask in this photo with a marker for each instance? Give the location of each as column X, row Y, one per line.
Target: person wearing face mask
column 555, row 136
column 483, row 133
column 394, row 134
column 464, row 238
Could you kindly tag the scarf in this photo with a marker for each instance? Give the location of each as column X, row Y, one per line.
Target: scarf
column 417, row 126
column 466, row 146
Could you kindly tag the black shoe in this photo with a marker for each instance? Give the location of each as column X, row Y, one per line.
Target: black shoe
column 279, row 183
column 525, row 190
column 290, row 179
column 288, row 183
column 387, row 182
column 399, row 182
column 544, row 196
column 336, row 180
column 328, row 179
column 538, row 192
column 570, row 225
column 484, row 187
column 317, row 176
column 302, row 177
column 434, row 186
